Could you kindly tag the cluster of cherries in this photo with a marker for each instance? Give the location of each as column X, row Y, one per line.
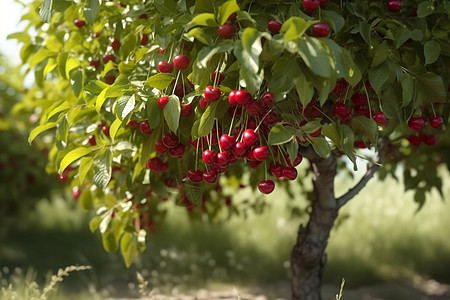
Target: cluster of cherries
column 417, row 124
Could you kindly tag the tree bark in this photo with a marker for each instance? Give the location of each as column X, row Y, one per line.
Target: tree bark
column 308, row 255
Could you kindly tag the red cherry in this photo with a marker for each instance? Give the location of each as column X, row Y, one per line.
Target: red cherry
column 91, row 140
column 266, row 186
column 226, row 31
column 76, row 192
column 226, row 142
column 211, row 94
column 165, row 67
column 240, row 150
column 414, row 140
column 79, row 23
column 321, row 29
column 108, row 57
column 181, row 62
column 223, row 159
column 380, row 118
column 253, row 107
column 195, row 176
column 261, row 153
column 436, row 121
column 170, row 140
column 115, row 44
column 276, row 170
column 133, row 124
column 96, row 35
column 178, row 151
column 143, row 16
column 394, row 5
column 322, row 2
column 105, row 130
column 268, row 100
column 359, row 99
column 341, row 110
column 186, row 110
column 311, row 5
column 289, row 173
column 210, row 177
column 274, row 26
column 217, row 78
column 250, row 137
column 429, row 140
column 144, row 127
column 160, row 148
column 297, row 160
column 232, row 97
column 242, row 97
column 209, row 156
column 316, row 133
column 232, row 18
column 360, row 144
column 95, row 63
column 109, row 79
column 144, row 39
column 416, row 123
column 162, row 102
column 155, row 164
column 203, row 103
column 161, row 51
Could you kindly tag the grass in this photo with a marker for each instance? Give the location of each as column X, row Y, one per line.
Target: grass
column 380, row 238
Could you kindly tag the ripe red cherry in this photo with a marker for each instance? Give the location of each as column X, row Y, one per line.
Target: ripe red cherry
column 105, row 130
column 133, row 124
column 79, row 23
column 240, row 150
column 217, row 77
column 155, row 164
column 161, row 51
column 162, row 102
column 210, row 177
column 359, row 99
column 341, row 110
column 144, row 127
column 91, row 140
column 297, row 160
column 322, row 2
column 223, row 159
column 226, row 142
column 181, row 62
column 186, row 110
column 274, row 26
column 414, row 140
column 436, row 121
column 380, row 118
column 144, row 39
column 289, row 173
column 394, row 5
column 232, row 17
column 250, row 137
column 268, row 100
column 316, row 133
column 321, row 29
column 276, row 170
column 360, row 144
column 76, row 192
column 311, row 5
column 242, row 97
column 108, row 57
column 178, row 151
column 115, row 44
column 95, row 63
column 160, row 148
column 261, row 153
column 165, row 67
column 232, row 97
column 170, row 140
column 226, row 31
column 209, row 156
column 429, row 140
column 211, row 93
column 195, row 176
column 416, row 123
column 109, row 79
column 203, row 103
column 266, row 186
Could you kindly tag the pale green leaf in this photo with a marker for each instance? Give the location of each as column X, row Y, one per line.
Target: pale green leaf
column 38, row 130
column 73, row 156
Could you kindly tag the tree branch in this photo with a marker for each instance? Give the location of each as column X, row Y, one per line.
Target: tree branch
column 372, row 168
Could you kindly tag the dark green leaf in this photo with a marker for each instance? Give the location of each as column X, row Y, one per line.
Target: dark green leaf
column 315, row 54
column 365, row 128
column 431, row 87
column 63, row 129
column 425, row 8
column 408, row 87
column 76, row 80
column 207, row 120
column 335, row 20
column 379, row 77
column 431, row 50
column 91, row 10
column 331, row 132
column 321, row 146
column 280, row 134
column 292, row 149
column 172, row 112
column 347, row 143
column 153, row 113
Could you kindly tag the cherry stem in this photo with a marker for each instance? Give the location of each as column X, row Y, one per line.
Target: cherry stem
column 176, row 81
column 262, row 119
column 196, row 155
column 232, row 120
column 217, row 132
column 432, row 108
column 368, row 101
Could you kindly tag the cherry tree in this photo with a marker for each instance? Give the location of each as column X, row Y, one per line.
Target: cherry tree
column 154, row 100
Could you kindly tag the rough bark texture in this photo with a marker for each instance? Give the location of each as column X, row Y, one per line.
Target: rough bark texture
column 308, row 256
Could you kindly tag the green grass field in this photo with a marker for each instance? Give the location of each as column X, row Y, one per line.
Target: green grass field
column 380, row 237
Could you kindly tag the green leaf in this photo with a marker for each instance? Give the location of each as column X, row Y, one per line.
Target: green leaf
column 94, row 223
column 194, row 193
column 71, row 64
column 73, row 156
column 115, row 126
column 365, row 127
column 94, row 88
column 226, row 9
column 109, row 241
column 312, row 126
column 172, row 112
column 100, row 100
column 91, row 10
column 425, row 9
column 86, row 201
column 353, row 74
column 104, row 224
column 305, row 88
column 51, row 65
column 129, row 247
column 128, row 45
column 59, row 109
column 431, row 50
column 408, row 88
column 40, row 56
column 38, row 130
column 46, row 10
column 203, row 6
column 62, row 130
column 280, row 134
column 347, row 143
column 205, row 19
column 381, row 54
column 102, row 168
column 84, row 168
column 153, row 113
column 315, row 54
column 76, row 80
column 207, row 120
column 292, row 149
column 335, row 20
column 294, row 28
column 331, row 132
column 202, row 36
column 321, row 146
column 379, row 77
column 160, row 81
column 125, row 105
column 285, row 71
column 364, row 30
column 431, row 87
column 247, row 52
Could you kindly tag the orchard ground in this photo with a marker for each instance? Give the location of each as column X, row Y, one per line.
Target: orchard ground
column 385, row 251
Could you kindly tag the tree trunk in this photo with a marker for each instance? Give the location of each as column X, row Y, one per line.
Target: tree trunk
column 308, row 255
